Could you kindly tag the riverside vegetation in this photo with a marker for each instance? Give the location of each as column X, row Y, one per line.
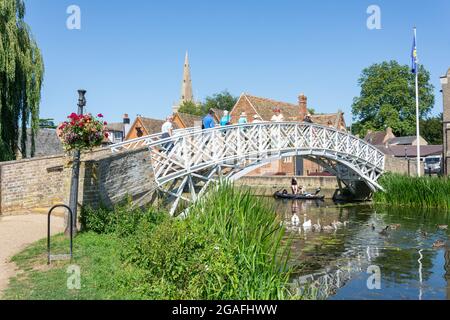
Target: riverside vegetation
column 425, row 192
column 229, row 247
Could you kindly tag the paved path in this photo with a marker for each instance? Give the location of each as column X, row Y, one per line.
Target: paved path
column 16, row 233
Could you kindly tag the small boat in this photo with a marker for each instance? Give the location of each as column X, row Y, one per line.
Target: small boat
column 306, row 196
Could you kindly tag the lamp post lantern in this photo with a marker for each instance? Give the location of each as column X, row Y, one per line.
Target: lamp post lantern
column 73, row 201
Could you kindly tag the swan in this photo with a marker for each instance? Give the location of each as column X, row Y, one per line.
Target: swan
column 337, row 224
column 306, row 224
column 328, row 228
column 317, row 227
column 295, row 220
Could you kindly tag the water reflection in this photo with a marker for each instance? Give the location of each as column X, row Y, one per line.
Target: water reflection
column 333, row 263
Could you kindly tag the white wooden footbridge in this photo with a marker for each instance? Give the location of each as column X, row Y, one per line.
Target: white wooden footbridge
column 185, row 164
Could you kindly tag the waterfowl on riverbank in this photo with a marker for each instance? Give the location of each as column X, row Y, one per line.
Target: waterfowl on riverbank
column 395, row 226
column 442, row 226
column 373, row 227
column 424, row 234
column 317, row 227
column 295, row 220
column 306, row 224
column 438, row 244
column 328, row 228
column 337, row 224
column 384, row 231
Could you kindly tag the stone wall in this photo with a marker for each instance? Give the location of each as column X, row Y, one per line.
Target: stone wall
column 268, row 185
column 402, row 166
column 34, row 185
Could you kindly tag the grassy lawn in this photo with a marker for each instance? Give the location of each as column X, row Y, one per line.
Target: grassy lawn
column 230, row 247
column 103, row 275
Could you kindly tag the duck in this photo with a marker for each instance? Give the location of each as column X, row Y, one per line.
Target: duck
column 438, row 244
column 395, row 226
column 295, row 220
column 384, row 231
column 442, row 226
column 424, row 234
column 373, row 227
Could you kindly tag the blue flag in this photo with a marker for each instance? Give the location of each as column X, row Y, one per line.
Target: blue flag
column 414, row 56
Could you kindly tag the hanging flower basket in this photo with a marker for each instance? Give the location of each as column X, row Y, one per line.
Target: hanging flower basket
column 82, row 132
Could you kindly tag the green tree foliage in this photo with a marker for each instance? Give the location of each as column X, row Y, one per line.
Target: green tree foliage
column 223, row 100
column 387, row 98
column 21, row 76
column 191, row 108
column 431, row 129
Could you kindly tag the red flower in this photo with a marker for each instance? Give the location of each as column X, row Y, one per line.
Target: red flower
column 106, row 134
column 100, row 115
column 105, row 123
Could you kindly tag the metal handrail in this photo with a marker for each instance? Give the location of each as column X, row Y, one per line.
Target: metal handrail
column 49, row 256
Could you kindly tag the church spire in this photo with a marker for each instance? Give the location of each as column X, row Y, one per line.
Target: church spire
column 186, row 86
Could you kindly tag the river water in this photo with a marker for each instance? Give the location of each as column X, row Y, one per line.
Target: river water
column 355, row 261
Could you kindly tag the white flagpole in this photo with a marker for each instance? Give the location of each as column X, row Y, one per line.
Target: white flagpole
column 417, row 111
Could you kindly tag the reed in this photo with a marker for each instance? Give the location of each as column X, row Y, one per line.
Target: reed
column 424, row 192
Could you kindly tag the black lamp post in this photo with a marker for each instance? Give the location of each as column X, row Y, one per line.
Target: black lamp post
column 73, row 202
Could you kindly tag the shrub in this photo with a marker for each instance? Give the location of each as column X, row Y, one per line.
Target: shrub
column 122, row 220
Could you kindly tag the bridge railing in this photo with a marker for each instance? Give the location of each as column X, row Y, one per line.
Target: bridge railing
column 193, row 149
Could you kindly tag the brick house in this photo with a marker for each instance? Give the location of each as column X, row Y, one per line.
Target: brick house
column 143, row 127
column 263, row 107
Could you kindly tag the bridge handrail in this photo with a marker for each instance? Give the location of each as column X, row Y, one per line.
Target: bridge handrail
column 180, row 133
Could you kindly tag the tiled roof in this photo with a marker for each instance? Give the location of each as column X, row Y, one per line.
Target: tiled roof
column 402, row 140
column 291, row 112
column 190, row 120
column 152, row 125
column 46, row 141
column 411, row 151
column 115, row 126
column 264, row 107
column 375, row 138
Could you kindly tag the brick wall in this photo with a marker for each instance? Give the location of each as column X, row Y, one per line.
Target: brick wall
column 34, row 185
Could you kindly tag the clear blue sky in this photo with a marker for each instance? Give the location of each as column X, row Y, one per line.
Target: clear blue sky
column 129, row 54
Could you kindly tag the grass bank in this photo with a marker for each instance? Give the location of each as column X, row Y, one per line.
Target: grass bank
column 424, row 192
column 230, row 247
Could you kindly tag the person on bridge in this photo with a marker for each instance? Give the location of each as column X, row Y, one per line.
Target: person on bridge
column 208, row 121
column 257, row 119
column 226, row 119
column 277, row 115
column 167, row 131
column 243, row 118
column 308, row 118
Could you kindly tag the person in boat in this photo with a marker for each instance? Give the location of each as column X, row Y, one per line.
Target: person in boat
column 294, row 186
column 302, row 190
column 285, row 192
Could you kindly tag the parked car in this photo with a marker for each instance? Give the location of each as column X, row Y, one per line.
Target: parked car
column 432, row 165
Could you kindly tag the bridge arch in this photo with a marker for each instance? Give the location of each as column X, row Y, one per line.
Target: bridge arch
column 186, row 163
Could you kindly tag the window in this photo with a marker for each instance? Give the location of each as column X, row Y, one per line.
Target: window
column 139, row 132
column 287, row 160
column 118, row 135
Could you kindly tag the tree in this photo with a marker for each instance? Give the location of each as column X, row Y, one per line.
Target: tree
column 431, row 130
column 387, row 99
column 191, row 108
column 223, row 100
column 21, row 76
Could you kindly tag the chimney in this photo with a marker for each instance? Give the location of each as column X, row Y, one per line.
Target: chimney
column 303, row 104
column 126, row 125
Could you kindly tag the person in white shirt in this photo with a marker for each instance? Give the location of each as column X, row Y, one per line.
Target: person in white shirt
column 167, row 131
column 278, row 116
column 257, row 119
